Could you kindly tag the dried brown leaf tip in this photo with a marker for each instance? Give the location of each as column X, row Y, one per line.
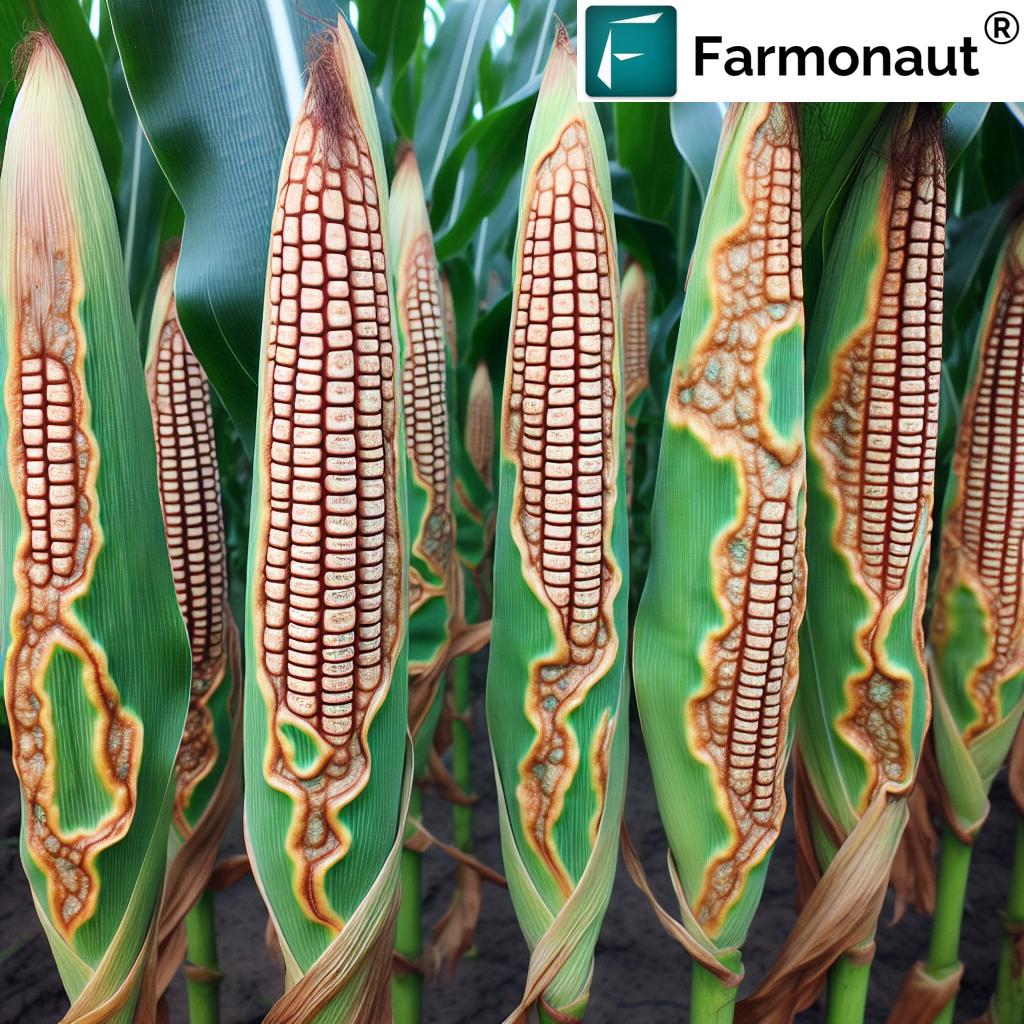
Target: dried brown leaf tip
column 52, row 461
column 983, row 532
column 876, row 435
column 329, row 562
column 739, row 722
column 559, row 431
column 179, row 397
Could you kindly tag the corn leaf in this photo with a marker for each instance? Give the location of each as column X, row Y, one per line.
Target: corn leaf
column 97, row 667
column 715, row 635
column 556, row 686
column 976, row 625
column 433, row 566
column 325, row 762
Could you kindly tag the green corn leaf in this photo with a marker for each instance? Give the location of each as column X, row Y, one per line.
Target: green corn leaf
column 391, row 31
column 450, row 72
column 326, row 702
column 96, row 674
column 832, row 137
column 978, row 672
column 727, row 569
column 556, row 685
column 695, row 131
column 643, row 139
column 496, row 140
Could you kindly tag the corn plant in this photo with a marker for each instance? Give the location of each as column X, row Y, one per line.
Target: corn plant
column 96, row 673
column 327, row 591
column 480, row 424
column 635, row 301
column 873, row 367
column 977, row 672
column 716, row 629
column 433, row 565
column 434, row 571
column 556, row 686
column 209, row 757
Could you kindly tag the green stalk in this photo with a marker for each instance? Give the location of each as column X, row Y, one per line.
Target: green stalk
column 847, row 991
column 407, row 985
column 944, row 950
column 201, row 933
column 711, row 1000
column 462, row 763
column 1008, row 1003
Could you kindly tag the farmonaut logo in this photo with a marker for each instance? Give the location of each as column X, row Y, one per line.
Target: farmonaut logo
column 631, row 51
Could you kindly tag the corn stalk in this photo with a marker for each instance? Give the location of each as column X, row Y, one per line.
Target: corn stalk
column 209, row 758
column 977, row 628
column 874, row 370
column 556, row 686
column 715, row 641
column 96, row 670
column 326, row 700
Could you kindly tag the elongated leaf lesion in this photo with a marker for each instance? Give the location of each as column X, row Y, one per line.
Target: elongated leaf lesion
column 983, row 529
column 53, row 460
column 739, row 721
column 189, row 479
column 328, row 569
column 875, row 434
column 559, row 432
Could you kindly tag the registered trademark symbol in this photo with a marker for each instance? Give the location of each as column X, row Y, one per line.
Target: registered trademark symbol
column 1002, row 27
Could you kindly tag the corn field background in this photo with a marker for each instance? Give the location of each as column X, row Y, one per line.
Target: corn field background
column 596, row 532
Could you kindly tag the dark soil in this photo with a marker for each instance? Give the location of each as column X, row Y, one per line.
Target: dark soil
column 641, row 977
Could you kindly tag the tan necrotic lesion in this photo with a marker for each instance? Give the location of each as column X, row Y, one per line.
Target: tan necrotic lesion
column 876, row 435
column 984, row 529
column 179, row 395
column 560, row 434
column 328, row 569
column 424, row 389
column 53, row 461
column 739, row 721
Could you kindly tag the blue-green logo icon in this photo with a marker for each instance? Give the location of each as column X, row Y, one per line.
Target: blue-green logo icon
column 631, row 51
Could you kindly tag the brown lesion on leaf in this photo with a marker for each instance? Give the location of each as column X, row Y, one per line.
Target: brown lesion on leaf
column 983, row 532
column 53, row 461
column 328, row 568
column 179, row 396
column 636, row 376
column 424, row 390
column 738, row 723
column 875, row 434
column 559, row 432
